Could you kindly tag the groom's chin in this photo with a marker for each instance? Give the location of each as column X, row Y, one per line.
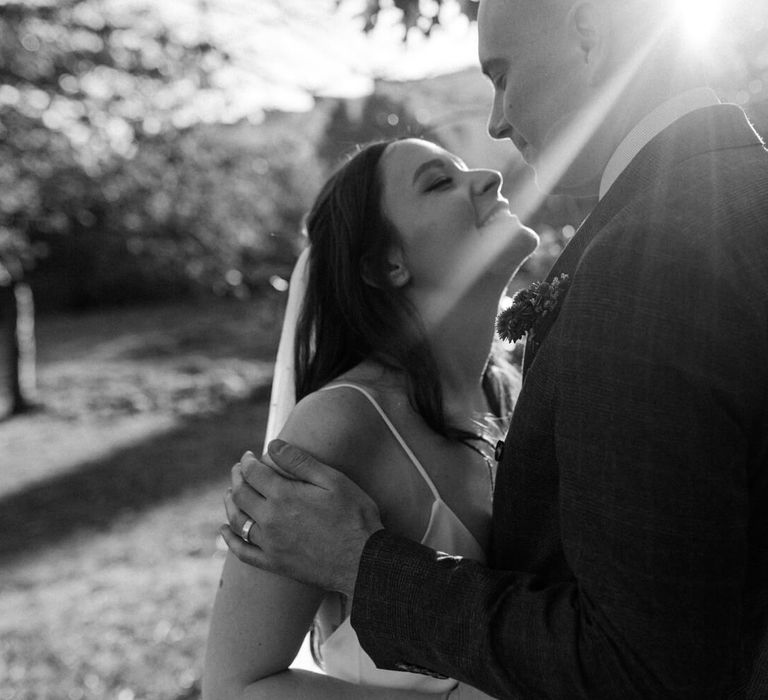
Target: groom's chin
column 569, row 182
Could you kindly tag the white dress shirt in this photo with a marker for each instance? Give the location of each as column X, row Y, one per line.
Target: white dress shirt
column 649, row 126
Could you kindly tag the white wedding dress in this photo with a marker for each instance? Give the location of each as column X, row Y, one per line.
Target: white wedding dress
column 340, row 653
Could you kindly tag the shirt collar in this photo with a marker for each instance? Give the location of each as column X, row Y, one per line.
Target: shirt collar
column 649, row 126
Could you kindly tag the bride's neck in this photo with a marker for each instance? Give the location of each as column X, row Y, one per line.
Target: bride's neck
column 461, row 343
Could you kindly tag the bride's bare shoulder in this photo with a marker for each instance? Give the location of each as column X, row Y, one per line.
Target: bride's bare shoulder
column 340, row 426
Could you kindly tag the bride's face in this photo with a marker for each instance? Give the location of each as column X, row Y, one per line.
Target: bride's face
column 456, row 230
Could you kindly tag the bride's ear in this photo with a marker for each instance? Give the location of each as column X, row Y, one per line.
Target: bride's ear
column 396, row 271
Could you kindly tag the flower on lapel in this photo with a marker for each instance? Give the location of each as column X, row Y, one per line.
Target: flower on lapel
column 528, row 306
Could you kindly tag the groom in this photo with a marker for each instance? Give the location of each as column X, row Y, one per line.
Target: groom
column 630, row 522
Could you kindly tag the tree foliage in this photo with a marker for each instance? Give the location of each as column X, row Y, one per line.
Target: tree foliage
column 109, row 176
column 414, row 14
column 379, row 117
column 207, row 208
column 81, row 82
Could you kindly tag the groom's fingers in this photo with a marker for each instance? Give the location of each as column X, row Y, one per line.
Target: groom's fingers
column 299, row 465
column 237, row 519
column 258, row 476
column 249, row 496
column 246, row 553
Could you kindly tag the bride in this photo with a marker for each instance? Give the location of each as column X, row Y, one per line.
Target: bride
column 399, row 386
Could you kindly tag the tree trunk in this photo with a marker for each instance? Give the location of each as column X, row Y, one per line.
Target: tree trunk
column 17, row 348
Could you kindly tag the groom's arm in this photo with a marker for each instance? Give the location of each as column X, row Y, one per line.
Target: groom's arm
column 655, row 410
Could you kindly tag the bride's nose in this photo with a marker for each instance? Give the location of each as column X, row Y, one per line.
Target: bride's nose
column 485, row 181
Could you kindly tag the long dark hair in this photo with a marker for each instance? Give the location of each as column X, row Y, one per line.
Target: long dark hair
column 351, row 310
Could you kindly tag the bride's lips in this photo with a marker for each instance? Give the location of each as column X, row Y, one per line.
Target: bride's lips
column 501, row 208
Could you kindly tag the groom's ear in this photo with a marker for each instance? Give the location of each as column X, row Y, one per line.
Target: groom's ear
column 588, row 25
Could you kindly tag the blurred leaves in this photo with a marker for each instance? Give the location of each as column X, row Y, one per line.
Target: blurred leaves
column 414, row 13
column 99, row 72
column 377, row 117
column 107, row 164
column 200, row 209
column 82, row 82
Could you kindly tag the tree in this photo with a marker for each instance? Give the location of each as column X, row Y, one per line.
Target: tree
column 81, row 83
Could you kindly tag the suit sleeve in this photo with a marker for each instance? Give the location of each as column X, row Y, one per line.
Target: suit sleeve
column 654, row 419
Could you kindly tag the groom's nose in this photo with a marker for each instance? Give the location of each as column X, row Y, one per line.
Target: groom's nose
column 498, row 126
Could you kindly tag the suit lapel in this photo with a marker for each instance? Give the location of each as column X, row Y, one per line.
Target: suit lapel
column 565, row 264
column 721, row 126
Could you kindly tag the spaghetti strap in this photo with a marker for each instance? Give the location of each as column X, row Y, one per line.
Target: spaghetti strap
column 408, row 451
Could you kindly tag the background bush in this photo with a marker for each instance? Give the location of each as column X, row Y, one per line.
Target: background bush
column 210, row 209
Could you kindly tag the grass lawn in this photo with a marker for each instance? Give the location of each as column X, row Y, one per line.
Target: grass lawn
column 110, row 496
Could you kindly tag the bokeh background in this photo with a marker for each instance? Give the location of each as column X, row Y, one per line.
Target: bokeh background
column 156, row 159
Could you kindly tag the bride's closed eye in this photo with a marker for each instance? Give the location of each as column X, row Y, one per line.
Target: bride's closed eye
column 439, row 183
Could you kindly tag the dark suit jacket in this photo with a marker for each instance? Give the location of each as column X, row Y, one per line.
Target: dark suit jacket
column 630, row 522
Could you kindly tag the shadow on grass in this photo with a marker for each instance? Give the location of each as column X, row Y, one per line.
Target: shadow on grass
column 198, row 452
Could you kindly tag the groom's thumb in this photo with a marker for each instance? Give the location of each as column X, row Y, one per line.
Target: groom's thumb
column 292, row 462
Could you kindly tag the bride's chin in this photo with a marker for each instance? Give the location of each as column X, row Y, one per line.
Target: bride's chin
column 519, row 248
column 493, row 260
column 510, row 228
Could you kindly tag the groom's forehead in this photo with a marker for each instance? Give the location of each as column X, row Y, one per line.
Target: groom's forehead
column 525, row 8
column 498, row 19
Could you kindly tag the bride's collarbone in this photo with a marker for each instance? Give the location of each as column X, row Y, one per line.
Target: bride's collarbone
column 439, row 455
column 460, row 474
column 448, row 462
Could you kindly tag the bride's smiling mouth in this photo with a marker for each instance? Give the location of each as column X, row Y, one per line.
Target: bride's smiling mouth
column 499, row 210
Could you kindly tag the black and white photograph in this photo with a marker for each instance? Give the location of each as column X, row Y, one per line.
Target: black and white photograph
column 383, row 349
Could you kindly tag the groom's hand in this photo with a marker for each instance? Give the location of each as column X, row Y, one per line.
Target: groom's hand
column 310, row 522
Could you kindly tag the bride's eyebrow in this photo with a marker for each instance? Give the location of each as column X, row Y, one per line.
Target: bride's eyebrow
column 428, row 165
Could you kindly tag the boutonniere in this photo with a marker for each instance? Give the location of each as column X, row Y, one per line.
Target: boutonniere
column 528, row 306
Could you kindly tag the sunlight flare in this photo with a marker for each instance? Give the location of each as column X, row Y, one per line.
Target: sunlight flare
column 698, row 20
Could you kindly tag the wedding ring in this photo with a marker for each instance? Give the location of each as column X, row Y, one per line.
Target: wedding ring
column 245, row 530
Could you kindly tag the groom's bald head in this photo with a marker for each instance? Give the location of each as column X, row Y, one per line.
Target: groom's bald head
column 559, row 63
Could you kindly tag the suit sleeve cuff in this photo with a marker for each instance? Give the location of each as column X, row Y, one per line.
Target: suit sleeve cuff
column 390, row 578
